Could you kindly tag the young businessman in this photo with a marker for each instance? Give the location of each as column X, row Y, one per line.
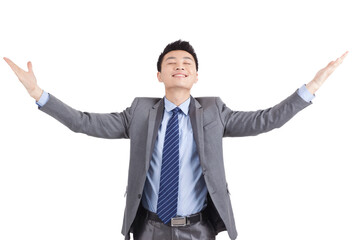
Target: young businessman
column 176, row 184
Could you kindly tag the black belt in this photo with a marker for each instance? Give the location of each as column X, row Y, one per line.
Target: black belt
column 179, row 221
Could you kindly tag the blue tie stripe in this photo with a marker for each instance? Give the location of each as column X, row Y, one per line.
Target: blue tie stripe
column 166, row 201
column 169, row 179
column 170, row 152
column 171, row 155
column 167, row 184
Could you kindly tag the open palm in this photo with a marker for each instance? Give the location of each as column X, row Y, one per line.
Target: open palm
column 28, row 78
column 324, row 73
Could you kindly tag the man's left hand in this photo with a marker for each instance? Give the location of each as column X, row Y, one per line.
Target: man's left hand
column 324, row 73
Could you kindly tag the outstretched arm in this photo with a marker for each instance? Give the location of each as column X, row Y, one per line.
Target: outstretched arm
column 251, row 123
column 102, row 125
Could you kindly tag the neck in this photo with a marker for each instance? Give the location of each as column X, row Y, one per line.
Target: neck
column 177, row 96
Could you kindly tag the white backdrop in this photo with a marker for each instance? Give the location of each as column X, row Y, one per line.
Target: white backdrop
column 298, row 182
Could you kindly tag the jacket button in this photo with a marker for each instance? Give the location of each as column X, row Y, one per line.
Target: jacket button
column 139, row 196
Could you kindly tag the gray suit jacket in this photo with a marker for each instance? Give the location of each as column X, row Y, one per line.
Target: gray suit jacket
column 211, row 120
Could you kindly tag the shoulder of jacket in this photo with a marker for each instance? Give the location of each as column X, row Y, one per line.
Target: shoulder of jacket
column 207, row 101
column 148, row 99
column 145, row 102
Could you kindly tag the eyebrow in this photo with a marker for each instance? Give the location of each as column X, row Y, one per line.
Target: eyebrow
column 175, row 58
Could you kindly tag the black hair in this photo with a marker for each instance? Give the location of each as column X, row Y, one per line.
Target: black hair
column 177, row 45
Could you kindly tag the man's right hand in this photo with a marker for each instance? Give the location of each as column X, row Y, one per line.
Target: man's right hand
column 27, row 79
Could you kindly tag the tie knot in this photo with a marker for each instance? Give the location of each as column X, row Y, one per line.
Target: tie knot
column 176, row 111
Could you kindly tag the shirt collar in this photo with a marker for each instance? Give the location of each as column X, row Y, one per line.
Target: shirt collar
column 169, row 106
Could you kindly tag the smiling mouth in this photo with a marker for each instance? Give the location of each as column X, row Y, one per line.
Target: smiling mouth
column 179, row 75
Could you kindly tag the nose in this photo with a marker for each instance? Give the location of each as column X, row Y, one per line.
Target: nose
column 179, row 68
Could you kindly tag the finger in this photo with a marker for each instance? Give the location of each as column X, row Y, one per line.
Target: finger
column 344, row 55
column 13, row 66
column 330, row 63
column 29, row 65
column 338, row 61
column 341, row 59
column 330, row 68
column 334, row 64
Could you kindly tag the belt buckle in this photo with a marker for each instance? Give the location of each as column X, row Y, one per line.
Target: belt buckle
column 178, row 221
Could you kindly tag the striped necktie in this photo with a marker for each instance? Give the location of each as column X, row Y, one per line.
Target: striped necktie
column 169, row 179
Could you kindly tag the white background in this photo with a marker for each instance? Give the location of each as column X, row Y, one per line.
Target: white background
column 298, row 182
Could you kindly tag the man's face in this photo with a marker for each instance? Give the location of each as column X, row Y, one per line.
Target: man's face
column 178, row 70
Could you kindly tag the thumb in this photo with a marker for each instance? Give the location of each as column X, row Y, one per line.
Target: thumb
column 29, row 65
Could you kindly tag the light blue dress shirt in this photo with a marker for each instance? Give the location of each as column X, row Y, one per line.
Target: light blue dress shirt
column 43, row 99
column 192, row 187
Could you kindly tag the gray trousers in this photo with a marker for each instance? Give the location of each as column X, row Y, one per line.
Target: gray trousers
column 147, row 229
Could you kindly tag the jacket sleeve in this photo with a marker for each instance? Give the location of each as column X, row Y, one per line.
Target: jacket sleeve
column 101, row 125
column 252, row 123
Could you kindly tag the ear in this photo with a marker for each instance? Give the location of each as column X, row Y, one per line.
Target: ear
column 197, row 77
column 159, row 77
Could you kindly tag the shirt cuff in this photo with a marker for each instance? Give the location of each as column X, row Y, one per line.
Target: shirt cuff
column 305, row 94
column 43, row 99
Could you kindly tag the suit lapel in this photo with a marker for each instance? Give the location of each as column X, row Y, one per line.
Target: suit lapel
column 196, row 118
column 155, row 117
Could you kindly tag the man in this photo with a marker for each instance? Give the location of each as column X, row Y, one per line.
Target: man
column 176, row 184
